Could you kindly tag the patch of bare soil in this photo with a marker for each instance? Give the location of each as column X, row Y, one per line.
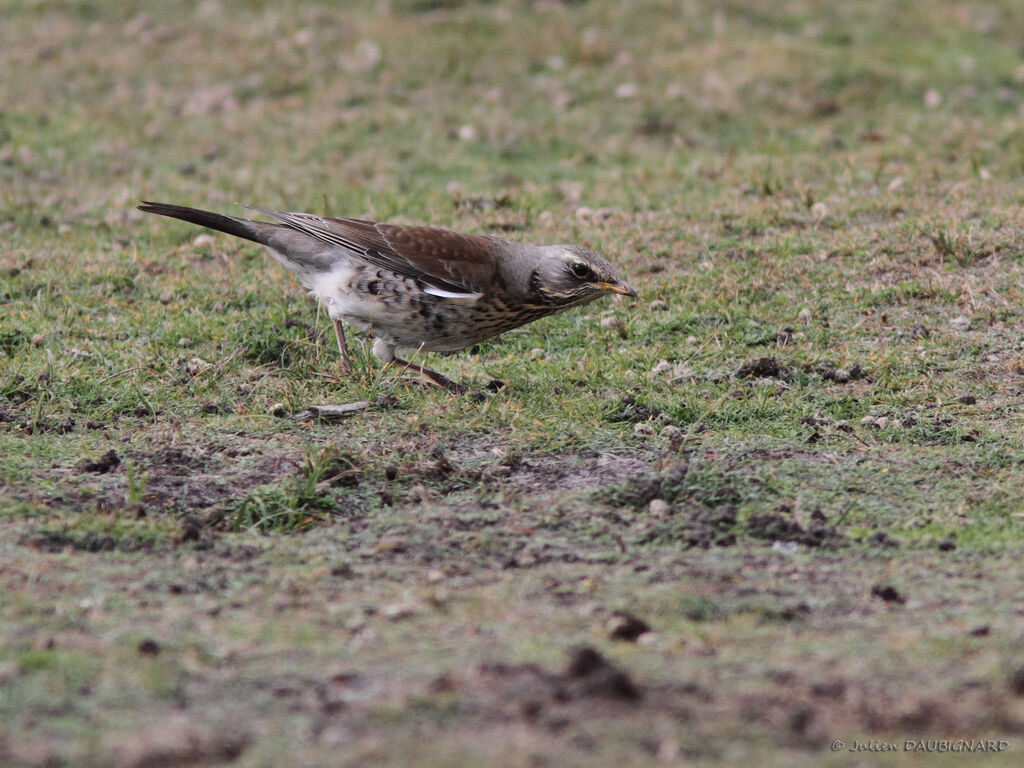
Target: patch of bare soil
column 188, row 481
column 701, row 511
column 582, row 701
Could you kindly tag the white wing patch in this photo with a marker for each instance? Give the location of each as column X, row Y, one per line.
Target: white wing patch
column 442, row 293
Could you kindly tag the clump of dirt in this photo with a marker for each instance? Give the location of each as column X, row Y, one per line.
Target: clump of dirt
column 841, row 375
column 702, row 511
column 888, row 593
column 175, row 456
column 630, row 411
column 1017, row 681
column 178, row 740
column 588, row 675
column 639, row 492
column 780, row 526
column 102, row 465
column 774, row 527
column 148, row 647
column 695, row 525
column 88, row 541
column 763, row 368
column 626, row 626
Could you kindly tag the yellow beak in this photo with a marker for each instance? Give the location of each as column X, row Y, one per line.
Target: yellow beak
column 619, row 287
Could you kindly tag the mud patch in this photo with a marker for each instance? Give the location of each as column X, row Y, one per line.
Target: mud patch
column 695, row 504
column 575, row 472
column 102, row 465
column 88, row 541
column 763, row 368
column 802, row 708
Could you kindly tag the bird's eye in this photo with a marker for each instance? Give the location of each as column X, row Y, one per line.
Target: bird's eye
column 581, row 270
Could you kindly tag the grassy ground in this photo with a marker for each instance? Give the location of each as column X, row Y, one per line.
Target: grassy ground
column 795, row 459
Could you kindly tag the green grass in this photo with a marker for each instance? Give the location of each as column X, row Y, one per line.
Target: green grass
column 827, row 199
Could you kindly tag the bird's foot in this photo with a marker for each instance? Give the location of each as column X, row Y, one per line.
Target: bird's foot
column 433, row 377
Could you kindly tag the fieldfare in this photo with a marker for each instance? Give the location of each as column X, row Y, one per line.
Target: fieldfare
column 412, row 287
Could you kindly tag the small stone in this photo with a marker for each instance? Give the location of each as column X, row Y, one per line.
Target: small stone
column 368, row 52
column 658, row 305
column 960, row 323
column 659, row 509
column 399, row 611
column 38, row 339
column 787, row 548
column 643, row 429
column 167, row 297
column 648, row 638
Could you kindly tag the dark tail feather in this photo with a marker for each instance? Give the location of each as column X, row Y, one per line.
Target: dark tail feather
column 238, row 227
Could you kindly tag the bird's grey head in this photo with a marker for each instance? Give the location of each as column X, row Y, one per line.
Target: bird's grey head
column 569, row 275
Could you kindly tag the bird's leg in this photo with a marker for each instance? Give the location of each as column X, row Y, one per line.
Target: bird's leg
column 435, row 377
column 385, row 352
column 339, row 332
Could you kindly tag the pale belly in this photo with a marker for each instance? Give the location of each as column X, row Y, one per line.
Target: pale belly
column 398, row 311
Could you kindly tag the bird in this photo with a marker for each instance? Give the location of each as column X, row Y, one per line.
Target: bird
column 418, row 287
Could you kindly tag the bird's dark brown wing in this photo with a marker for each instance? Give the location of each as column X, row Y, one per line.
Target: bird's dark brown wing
column 468, row 261
column 450, row 261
